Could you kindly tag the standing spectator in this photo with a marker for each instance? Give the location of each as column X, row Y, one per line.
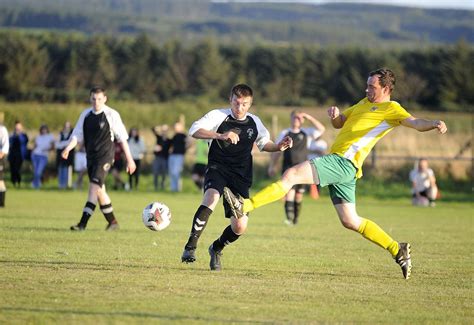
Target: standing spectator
column 424, row 186
column 200, row 163
column 64, row 165
column 97, row 127
column 233, row 133
column 176, row 158
column 4, row 147
column 161, row 152
column 18, row 152
column 80, row 166
column 44, row 143
column 137, row 149
column 117, row 168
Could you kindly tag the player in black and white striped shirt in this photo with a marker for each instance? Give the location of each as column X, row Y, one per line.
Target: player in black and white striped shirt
column 231, row 133
column 97, row 127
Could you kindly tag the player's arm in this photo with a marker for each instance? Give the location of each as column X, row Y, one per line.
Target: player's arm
column 71, row 145
column 284, row 144
column 128, row 156
column 423, row 125
column 337, row 119
column 228, row 136
column 316, row 124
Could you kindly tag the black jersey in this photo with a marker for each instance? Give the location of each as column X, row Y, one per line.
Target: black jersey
column 299, row 151
column 98, row 130
column 236, row 159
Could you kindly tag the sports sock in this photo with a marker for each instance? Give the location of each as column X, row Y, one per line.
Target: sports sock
column 2, row 198
column 108, row 212
column 290, row 210
column 228, row 236
column 87, row 213
column 271, row 193
column 375, row 234
column 297, row 209
column 199, row 223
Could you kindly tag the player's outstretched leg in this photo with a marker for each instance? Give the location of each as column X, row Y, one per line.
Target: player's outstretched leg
column 403, row 258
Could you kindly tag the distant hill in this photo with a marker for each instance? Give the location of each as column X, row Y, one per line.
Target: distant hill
column 193, row 20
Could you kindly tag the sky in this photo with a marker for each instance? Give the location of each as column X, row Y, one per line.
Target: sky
column 452, row 4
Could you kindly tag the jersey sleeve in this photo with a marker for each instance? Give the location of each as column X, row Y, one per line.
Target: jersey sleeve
column 5, row 143
column 396, row 114
column 263, row 136
column 118, row 128
column 210, row 121
column 78, row 131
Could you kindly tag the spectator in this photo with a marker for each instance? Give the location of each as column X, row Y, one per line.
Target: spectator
column 161, row 152
column 64, row 165
column 44, row 143
column 424, row 186
column 200, row 163
column 4, row 148
column 137, row 149
column 18, row 152
column 176, row 158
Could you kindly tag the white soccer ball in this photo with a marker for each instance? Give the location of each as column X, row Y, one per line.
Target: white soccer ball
column 156, row 216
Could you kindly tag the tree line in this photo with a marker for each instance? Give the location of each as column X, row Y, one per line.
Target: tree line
column 53, row 67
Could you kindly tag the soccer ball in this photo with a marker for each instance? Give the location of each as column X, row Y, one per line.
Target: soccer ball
column 156, row 216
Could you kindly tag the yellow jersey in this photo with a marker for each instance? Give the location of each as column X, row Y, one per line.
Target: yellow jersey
column 366, row 123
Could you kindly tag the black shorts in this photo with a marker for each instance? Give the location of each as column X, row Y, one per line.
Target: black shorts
column 199, row 169
column 98, row 169
column 2, row 169
column 218, row 178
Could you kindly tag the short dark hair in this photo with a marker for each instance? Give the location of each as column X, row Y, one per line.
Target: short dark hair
column 241, row 90
column 386, row 77
column 97, row 90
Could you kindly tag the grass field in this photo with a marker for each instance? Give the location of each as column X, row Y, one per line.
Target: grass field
column 316, row 272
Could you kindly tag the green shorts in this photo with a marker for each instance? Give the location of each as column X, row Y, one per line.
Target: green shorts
column 339, row 175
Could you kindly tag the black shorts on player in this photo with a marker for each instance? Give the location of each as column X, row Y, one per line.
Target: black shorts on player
column 97, row 170
column 217, row 178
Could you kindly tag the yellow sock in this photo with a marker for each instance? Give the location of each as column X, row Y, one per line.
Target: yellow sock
column 271, row 193
column 375, row 234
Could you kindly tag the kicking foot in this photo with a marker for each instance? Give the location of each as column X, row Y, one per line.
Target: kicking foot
column 236, row 203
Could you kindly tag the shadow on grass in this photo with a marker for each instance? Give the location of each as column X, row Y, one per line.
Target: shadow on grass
column 127, row 314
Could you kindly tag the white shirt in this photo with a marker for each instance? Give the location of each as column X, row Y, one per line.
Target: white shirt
column 421, row 180
column 4, row 140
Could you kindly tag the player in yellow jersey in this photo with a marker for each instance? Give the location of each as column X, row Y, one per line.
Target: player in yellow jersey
column 362, row 125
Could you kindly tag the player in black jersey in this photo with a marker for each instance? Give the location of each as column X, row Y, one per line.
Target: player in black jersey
column 97, row 127
column 302, row 138
column 231, row 133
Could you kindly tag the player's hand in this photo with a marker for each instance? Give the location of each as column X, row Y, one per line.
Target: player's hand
column 441, row 126
column 286, row 143
column 131, row 167
column 65, row 154
column 230, row 136
column 333, row 112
